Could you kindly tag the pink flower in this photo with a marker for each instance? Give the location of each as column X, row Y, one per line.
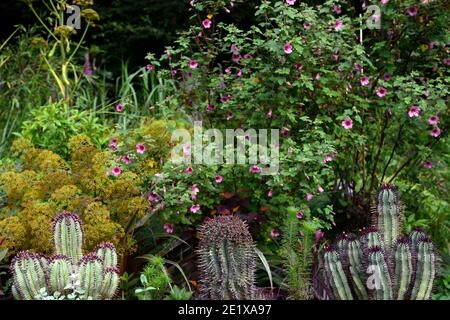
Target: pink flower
column 195, row 189
column 329, row 157
column 189, row 170
column 140, row 148
column 433, row 120
column 229, row 115
column 414, row 111
column 269, row 114
column 116, row 171
column 193, row 64
column 309, row 197
column 173, row 72
column 234, row 48
column 317, row 77
column 306, row 25
column 206, row 23
column 168, row 228
column 228, row 70
column 387, row 77
column 365, row 81
column 347, row 123
column 287, row 48
column 289, row 150
column 275, row 233
column 436, row 132
column 236, row 57
column 300, row 214
column 381, row 92
column 255, row 169
column 149, row 68
column 195, row 208
column 338, row 25
column 270, row 193
column 318, row 235
column 113, row 143
column 291, row 2
column 239, row 73
column 383, row 2
column 219, row 179
column 428, row 164
column 320, row 189
column 337, row 9
column 119, row 108
column 125, row 159
column 412, row 11
column 357, row 67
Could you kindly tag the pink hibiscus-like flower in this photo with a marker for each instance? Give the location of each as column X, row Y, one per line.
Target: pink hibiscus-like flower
column 195, row 189
column 186, row 149
column 126, row 159
column 119, row 108
column 364, row 81
column 309, row 197
column 387, row 77
column 428, row 164
column 287, row 48
column 320, row 189
column 116, row 171
column 270, row 193
column 140, row 148
column 210, row 108
column 189, row 170
column 255, row 169
column 414, row 111
column 318, row 235
column 113, row 144
column 218, row 179
column 436, row 132
column 337, row 9
column 412, row 11
column 206, row 23
column 195, row 208
column 357, row 67
column 229, row 115
column 329, row 157
column 300, row 214
column 149, row 67
column 193, row 64
column 168, row 228
column 384, row 2
column 347, row 123
column 291, row 2
column 234, row 48
column 338, row 25
column 228, row 70
column 433, row 120
column 236, row 57
column 381, row 92
column 307, row 25
column 173, row 72
column 275, row 233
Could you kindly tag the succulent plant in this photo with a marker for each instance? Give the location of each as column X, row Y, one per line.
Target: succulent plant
column 381, row 264
column 68, row 271
column 227, row 259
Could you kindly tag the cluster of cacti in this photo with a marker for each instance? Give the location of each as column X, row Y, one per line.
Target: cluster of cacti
column 227, row 259
column 94, row 274
column 381, row 264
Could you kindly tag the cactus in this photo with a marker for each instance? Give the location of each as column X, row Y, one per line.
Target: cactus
column 381, row 264
column 227, row 259
column 96, row 273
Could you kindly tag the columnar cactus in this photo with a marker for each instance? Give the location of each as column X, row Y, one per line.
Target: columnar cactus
column 227, row 259
column 96, row 273
column 381, row 264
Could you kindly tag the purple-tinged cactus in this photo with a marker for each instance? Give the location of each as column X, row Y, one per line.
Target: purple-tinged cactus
column 227, row 259
column 29, row 275
column 68, row 235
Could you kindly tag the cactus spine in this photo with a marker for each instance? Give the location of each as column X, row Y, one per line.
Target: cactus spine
column 227, row 259
column 381, row 264
column 96, row 273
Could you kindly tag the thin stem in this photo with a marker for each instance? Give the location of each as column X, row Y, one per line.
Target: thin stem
column 377, row 157
column 392, row 152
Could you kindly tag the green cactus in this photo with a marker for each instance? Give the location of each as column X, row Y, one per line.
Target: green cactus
column 381, row 264
column 227, row 259
column 94, row 274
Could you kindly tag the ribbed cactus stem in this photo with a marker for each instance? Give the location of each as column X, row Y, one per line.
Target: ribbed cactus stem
column 59, row 272
column 355, row 260
column 91, row 275
column 29, row 275
column 68, row 235
column 403, row 267
column 388, row 212
column 107, row 252
column 379, row 282
column 425, row 270
column 110, row 282
column 227, row 259
column 336, row 275
column 371, row 238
